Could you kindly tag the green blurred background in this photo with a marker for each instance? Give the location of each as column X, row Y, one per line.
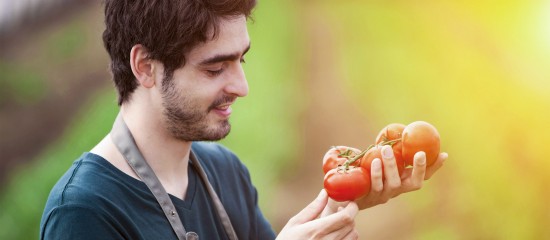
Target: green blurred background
column 321, row 73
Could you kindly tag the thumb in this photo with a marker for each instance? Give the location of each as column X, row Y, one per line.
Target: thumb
column 312, row 210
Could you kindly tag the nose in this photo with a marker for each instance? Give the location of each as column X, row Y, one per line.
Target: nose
column 238, row 85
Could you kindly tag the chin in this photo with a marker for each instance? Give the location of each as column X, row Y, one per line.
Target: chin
column 205, row 132
column 220, row 132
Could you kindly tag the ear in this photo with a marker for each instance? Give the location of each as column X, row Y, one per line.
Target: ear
column 142, row 67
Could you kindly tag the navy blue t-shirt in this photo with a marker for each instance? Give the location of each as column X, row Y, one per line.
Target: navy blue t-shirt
column 95, row 200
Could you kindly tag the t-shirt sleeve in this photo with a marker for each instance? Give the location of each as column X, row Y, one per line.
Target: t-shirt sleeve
column 78, row 222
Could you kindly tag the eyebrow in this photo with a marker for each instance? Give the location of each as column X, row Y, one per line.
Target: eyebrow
column 224, row 57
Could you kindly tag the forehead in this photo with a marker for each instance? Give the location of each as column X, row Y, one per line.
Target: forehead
column 232, row 37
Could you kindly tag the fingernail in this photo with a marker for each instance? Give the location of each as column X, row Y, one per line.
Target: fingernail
column 322, row 194
column 421, row 160
column 387, row 152
column 376, row 165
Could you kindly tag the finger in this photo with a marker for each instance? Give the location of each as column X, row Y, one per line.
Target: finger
column 341, row 233
column 352, row 235
column 406, row 173
column 393, row 181
column 332, row 207
column 419, row 170
column 312, row 210
column 338, row 220
column 438, row 163
column 377, row 184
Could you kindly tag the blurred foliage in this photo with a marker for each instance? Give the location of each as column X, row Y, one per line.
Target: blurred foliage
column 66, row 42
column 479, row 72
column 45, row 62
column 265, row 142
column 24, row 197
column 20, row 85
column 269, row 70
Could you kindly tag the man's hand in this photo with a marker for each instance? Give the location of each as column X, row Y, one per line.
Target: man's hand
column 307, row 224
column 382, row 190
column 393, row 185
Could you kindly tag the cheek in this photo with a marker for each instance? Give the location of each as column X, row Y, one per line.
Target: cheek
column 196, row 98
column 196, row 90
column 204, row 94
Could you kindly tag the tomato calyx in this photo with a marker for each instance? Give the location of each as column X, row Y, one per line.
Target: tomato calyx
column 348, row 153
column 341, row 155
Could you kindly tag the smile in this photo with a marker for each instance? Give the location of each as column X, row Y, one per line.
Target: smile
column 224, row 110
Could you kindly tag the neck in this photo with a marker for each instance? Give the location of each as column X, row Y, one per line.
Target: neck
column 167, row 156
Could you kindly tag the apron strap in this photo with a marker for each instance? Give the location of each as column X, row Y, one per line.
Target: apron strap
column 226, row 222
column 124, row 141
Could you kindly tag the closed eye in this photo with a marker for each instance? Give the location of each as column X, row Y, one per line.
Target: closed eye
column 215, row 73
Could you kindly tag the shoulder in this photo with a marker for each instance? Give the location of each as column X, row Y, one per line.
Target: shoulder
column 63, row 190
column 89, row 176
column 75, row 202
column 71, row 221
column 87, row 184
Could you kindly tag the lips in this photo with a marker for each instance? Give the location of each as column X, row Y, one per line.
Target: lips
column 224, row 110
column 223, row 106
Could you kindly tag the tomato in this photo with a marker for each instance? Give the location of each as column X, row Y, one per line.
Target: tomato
column 392, row 132
column 420, row 136
column 376, row 152
column 337, row 156
column 347, row 185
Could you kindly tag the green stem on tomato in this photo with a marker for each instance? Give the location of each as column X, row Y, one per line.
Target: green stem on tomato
column 357, row 157
column 391, row 142
column 345, row 153
column 360, row 155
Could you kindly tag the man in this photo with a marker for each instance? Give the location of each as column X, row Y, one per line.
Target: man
column 177, row 69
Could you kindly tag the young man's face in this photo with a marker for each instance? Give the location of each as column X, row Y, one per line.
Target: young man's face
column 197, row 99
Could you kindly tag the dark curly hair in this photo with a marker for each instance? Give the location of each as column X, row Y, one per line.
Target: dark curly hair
column 168, row 29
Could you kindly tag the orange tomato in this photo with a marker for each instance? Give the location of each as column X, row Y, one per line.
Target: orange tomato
column 393, row 131
column 420, row 136
column 376, row 152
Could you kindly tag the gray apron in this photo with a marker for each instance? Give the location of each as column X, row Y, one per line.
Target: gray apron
column 124, row 141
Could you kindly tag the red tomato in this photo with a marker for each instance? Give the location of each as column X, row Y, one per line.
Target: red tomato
column 347, row 185
column 337, row 156
column 376, row 152
column 420, row 136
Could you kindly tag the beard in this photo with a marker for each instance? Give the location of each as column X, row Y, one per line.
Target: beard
column 185, row 119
